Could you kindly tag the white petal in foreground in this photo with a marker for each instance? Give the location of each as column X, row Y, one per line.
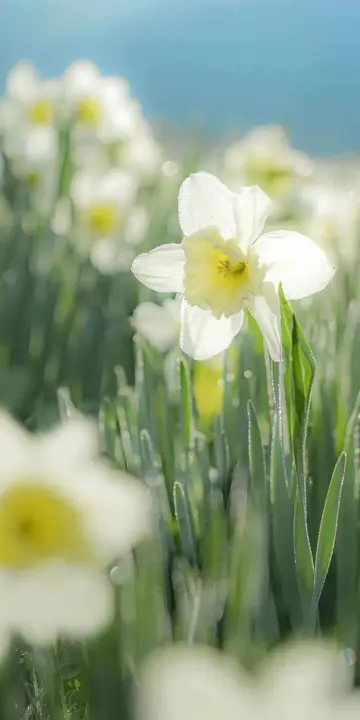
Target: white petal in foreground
column 117, row 510
column 202, row 335
column 60, row 599
column 251, row 208
column 196, row 684
column 295, row 261
column 265, row 309
column 74, row 443
column 204, row 201
column 161, row 269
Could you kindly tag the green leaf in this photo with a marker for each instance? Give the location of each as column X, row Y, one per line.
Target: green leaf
column 303, row 362
column 256, row 460
column 298, row 391
column 185, row 522
column 328, row 528
column 303, row 556
column 186, row 405
column 282, row 495
column 346, row 539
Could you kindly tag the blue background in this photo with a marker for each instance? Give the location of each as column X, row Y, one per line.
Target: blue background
column 223, row 64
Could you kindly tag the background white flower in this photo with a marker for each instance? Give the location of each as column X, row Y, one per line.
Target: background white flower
column 224, row 265
column 102, row 203
column 265, row 157
column 331, row 214
column 159, row 324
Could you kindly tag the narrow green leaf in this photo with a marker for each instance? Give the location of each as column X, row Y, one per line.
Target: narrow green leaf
column 186, row 405
column 256, row 459
column 185, row 522
column 328, row 528
column 303, row 556
column 282, row 494
column 303, row 362
column 346, row 539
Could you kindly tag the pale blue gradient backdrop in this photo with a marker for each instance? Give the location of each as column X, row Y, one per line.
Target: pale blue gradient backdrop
column 221, row 63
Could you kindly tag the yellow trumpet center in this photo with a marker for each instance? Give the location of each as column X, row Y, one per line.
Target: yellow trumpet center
column 103, row 218
column 88, row 111
column 38, row 524
column 40, row 112
column 217, row 274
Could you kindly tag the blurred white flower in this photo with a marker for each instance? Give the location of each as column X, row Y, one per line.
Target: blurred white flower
column 265, row 157
column 142, row 154
column 301, row 682
column 64, row 518
column 137, row 225
column 28, row 112
column 159, row 324
column 331, row 213
column 100, row 108
column 225, row 264
column 102, row 203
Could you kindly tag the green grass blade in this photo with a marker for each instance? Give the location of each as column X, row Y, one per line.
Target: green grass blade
column 328, row 529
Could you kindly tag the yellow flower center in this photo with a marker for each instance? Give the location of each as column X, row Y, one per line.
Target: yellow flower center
column 38, row 524
column 217, row 274
column 272, row 176
column 40, row 112
column 103, row 218
column 88, row 111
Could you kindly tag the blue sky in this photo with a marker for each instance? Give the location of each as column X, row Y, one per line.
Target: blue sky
column 225, row 63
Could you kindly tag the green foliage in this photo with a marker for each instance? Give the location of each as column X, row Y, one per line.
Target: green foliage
column 256, row 516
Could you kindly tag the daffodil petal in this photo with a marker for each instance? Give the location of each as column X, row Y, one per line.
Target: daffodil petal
column 194, row 682
column 295, row 261
column 265, row 309
column 161, row 269
column 202, row 335
column 204, row 201
column 57, row 599
column 251, row 208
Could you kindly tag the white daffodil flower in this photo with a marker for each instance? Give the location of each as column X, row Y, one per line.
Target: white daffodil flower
column 303, row 681
column 28, row 114
column 225, row 265
column 264, row 156
column 64, row 519
column 100, row 107
column 159, row 324
column 102, row 203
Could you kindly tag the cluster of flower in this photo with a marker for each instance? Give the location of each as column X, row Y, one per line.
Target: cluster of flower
column 82, row 146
